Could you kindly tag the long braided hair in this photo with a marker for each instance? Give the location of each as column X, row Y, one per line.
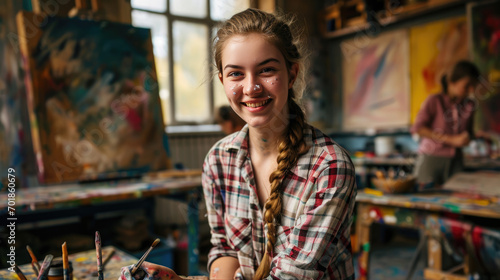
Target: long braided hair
column 277, row 30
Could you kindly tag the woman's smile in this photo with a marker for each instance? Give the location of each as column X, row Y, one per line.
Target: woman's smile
column 255, row 79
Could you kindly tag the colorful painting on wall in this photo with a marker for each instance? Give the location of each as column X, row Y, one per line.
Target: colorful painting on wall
column 484, row 22
column 434, row 49
column 376, row 82
column 92, row 98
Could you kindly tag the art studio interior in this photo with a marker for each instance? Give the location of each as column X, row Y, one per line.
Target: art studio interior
column 125, row 134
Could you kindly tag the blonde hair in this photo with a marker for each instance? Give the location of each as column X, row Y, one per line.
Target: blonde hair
column 276, row 29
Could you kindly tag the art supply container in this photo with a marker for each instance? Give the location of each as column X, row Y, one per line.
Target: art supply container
column 56, row 270
column 384, row 145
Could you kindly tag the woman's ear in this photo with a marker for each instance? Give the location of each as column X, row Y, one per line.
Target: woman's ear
column 220, row 78
column 294, row 70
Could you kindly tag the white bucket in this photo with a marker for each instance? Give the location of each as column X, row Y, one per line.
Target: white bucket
column 384, row 145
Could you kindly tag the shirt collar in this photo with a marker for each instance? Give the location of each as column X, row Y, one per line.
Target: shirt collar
column 452, row 101
column 239, row 144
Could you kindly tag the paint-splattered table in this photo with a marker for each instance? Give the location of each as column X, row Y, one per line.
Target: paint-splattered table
column 37, row 204
column 417, row 211
column 84, row 266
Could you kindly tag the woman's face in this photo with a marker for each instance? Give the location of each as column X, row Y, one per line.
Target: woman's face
column 256, row 79
column 462, row 88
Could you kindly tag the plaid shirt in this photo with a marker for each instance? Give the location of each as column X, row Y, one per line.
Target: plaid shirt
column 313, row 235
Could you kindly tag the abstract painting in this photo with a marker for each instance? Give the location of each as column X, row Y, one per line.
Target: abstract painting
column 93, row 99
column 13, row 133
column 484, row 23
column 376, row 82
column 434, row 49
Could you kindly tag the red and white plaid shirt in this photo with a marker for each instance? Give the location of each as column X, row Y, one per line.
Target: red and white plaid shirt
column 313, row 235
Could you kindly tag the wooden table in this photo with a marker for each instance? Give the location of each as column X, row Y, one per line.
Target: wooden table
column 86, row 200
column 415, row 211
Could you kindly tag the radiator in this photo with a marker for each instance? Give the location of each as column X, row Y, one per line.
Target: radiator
column 188, row 149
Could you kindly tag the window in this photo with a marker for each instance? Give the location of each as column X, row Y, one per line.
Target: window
column 182, row 33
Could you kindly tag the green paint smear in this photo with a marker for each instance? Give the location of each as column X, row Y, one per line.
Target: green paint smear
column 366, row 247
column 452, row 207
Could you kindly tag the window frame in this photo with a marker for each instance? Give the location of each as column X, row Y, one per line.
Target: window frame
column 210, row 24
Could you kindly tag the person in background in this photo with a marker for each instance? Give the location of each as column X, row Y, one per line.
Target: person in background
column 445, row 125
column 228, row 120
column 280, row 194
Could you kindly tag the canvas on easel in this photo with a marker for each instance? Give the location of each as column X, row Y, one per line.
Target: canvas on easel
column 93, row 98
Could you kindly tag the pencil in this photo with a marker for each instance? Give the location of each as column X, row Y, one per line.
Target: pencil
column 19, row 273
column 98, row 251
column 44, row 270
column 65, row 261
column 143, row 258
column 34, row 262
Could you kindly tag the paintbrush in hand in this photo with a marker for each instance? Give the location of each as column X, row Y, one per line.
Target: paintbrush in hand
column 34, row 262
column 98, row 252
column 65, row 261
column 143, row 258
column 44, row 270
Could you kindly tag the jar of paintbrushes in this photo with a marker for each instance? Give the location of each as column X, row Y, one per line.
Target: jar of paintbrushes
column 56, row 271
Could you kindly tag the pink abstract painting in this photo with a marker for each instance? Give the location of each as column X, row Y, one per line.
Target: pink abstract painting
column 376, row 82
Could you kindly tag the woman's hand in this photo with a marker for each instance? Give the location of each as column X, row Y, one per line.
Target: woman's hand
column 459, row 140
column 149, row 271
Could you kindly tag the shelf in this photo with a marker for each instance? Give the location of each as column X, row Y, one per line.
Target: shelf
column 390, row 16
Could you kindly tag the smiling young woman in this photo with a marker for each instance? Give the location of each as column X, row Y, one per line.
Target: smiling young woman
column 279, row 193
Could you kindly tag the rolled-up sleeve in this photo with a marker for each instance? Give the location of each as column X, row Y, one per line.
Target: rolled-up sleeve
column 425, row 115
column 215, row 210
column 320, row 238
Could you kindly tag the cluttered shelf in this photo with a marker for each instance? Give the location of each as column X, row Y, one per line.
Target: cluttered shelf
column 347, row 17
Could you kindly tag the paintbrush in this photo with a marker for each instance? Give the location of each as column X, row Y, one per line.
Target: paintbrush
column 44, row 270
column 65, row 261
column 105, row 261
column 34, row 262
column 143, row 258
column 19, row 273
column 98, row 252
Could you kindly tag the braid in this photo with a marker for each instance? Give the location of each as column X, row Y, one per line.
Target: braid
column 290, row 149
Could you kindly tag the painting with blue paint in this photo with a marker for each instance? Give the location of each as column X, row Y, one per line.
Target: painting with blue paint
column 93, row 98
column 12, row 128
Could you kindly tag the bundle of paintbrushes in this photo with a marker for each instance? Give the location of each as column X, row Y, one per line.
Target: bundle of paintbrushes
column 42, row 271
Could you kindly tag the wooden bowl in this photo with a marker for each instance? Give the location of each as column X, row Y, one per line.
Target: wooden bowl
column 388, row 185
